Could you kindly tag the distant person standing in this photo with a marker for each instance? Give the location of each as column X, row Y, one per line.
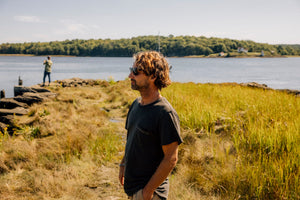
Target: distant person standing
column 48, row 64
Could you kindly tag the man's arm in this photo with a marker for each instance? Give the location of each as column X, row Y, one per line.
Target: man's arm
column 165, row 167
column 121, row 171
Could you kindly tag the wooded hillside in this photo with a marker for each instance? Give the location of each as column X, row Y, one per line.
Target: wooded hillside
column 169, row 46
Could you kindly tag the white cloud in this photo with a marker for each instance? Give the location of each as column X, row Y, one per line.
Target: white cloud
column 33, row 19
column 74, row 28
column 79, row 28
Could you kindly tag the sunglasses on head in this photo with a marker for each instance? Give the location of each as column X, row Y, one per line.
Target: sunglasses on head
column 134, row 70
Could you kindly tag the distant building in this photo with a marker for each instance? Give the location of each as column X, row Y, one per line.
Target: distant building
column 242, row 50
column 221, row 53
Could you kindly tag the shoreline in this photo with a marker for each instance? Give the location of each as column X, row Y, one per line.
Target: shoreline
column 252, row 84
column 191, row 56
column 32, row 55
column 79, row 81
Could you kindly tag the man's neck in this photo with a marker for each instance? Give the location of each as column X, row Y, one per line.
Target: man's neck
column 149, row 96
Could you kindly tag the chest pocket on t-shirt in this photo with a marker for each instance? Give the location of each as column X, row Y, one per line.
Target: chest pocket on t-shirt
column 143, row 131
column 144, row 137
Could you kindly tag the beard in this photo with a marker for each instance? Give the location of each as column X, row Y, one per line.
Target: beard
column 139, row 87
column 134, row 85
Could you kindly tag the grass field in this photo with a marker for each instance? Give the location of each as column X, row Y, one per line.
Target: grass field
column 239, row 143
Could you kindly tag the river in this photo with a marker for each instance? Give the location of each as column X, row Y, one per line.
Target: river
column 277, row 73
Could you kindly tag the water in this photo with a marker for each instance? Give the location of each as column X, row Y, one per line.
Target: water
column 277, row 73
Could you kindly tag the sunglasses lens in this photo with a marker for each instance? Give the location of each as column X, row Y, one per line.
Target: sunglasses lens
column 134, row 70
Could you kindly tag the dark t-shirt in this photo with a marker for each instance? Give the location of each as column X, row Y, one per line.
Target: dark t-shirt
column 148, row 128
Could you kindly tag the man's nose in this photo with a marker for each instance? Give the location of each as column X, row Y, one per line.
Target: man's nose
column 130, row 75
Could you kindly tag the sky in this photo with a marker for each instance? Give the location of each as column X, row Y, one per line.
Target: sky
column 263, row 21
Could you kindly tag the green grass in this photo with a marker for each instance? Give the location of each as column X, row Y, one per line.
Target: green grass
column 239, row 143
column 264, row 128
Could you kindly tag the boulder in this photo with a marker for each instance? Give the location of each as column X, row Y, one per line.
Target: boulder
column 18, row 105
column 265, row 87
column 74, row 82
column 29, row 98
column 15, row 111
column 40, row 89
column 255, row 85
column 2, row 94
column 7, row 119
column 20, row 90
column 45, row 95
column 10, row 103
column 39, row 96
column 2, row 127
column 294, row 92
column 67, row 82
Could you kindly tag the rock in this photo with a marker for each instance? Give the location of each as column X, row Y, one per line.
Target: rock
column 7, row 119
column 3, row 167
column 31, row 98
column 74, row 82
column 219, row 129
column 255, row 85
column 265, row 87
column 294, row 92
column 40, row 89
column 2, row 127
column 20, row 81
column 15, row 111
column 10, row 103
column 20, row 90
column 39, row 96
column 67, row 82
column 2, row 94
column 24, row 97
column 28, row 100
column 222, row 124
column 46, row 95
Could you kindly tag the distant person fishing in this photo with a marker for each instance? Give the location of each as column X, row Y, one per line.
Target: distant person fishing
column 47, row 72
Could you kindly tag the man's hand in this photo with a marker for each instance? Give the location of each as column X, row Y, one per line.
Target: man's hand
column 165, row 167
column 121, row 174
column 147, row 195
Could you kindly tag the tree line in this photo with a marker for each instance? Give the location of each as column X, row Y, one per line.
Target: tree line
column 168, row 45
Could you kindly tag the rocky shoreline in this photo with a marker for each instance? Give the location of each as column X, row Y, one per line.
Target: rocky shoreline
column 19, row 105
column 265, row 87
column 24, row 97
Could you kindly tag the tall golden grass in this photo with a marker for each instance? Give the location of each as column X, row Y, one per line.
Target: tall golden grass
column 66, row 148
column 249, row 141
column 239, row 143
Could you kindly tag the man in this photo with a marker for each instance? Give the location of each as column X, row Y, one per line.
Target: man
column 48, row 64
column 152, row 131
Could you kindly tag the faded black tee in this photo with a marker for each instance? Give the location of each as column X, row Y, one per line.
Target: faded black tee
column 148, row 128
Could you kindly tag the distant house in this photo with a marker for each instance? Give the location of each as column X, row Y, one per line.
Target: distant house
column 221, row 53
column 242, row 50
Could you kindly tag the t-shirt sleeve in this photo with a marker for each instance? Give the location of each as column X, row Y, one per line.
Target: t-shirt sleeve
column 170, row 128
column 126, row 123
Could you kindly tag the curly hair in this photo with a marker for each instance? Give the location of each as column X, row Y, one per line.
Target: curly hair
column 154, row 64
